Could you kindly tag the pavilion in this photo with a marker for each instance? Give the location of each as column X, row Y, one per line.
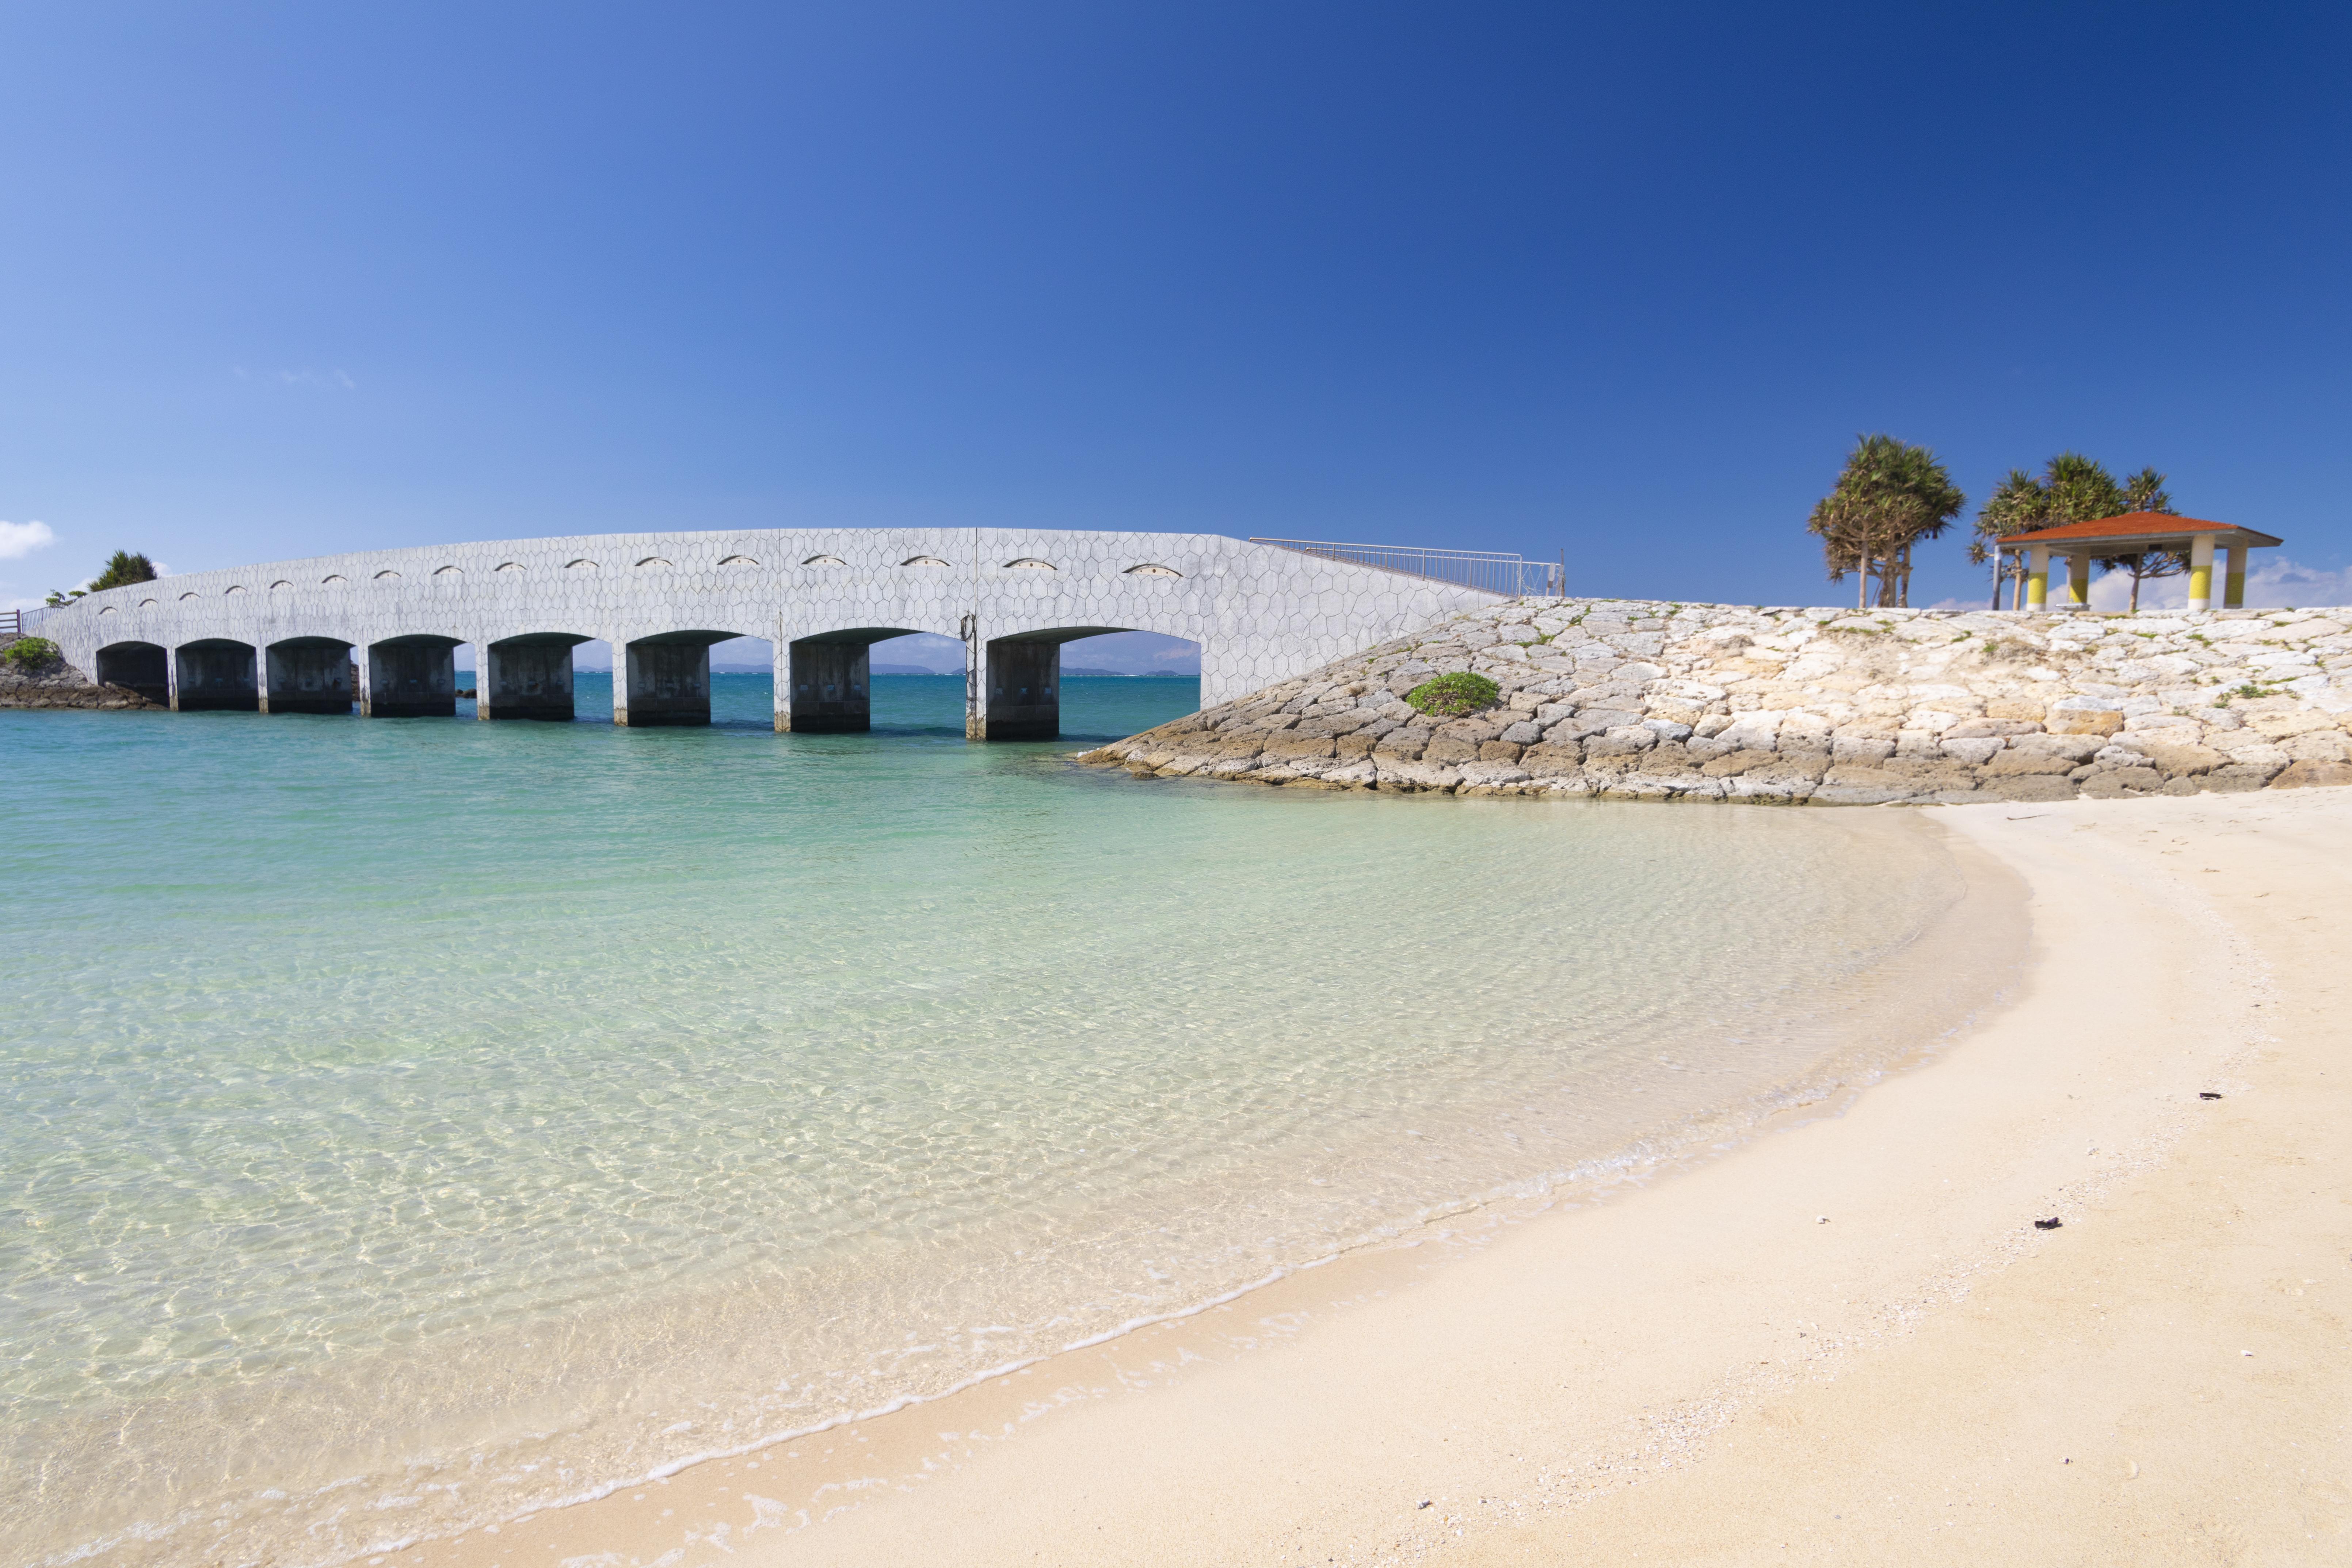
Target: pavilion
column 2104, row 538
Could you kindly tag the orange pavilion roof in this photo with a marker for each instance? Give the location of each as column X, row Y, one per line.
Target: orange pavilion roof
column 2153, row 527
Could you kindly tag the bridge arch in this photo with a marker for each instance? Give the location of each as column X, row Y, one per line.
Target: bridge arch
column 824, row 680
column 664, row 678
column 527, row 676
column 1020, row 684
column 141, row 667
column 307, row 675
column 216, row 675
column 414, row 675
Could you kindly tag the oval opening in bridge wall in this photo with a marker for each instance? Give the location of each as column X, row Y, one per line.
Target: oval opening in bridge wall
column 106, row 609
column 146, row 604
column 1030, row 563
column 825, row 561
column 234, row 588
column 185, row 597
column 1153, row 569
column 653, row 564
column 449, row 571
column 922, row 561
column 335, row 580
column 507, row 566
column 387, row 576
column 583, row 564
column 281, row 583
column 738, row 561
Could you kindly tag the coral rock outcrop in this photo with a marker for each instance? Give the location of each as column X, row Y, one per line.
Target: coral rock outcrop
column 1636, row 700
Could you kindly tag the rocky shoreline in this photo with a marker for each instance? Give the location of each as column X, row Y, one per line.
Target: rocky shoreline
column 63, row 688
column 1638, row 699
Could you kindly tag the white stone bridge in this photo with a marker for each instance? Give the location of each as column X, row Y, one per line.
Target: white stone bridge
column 376, row 630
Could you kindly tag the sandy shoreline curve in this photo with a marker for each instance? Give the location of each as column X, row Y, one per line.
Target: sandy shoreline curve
column 1844, row 1341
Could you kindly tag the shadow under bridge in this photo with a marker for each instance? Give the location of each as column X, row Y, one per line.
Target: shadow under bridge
column 144, row 668
column 826, row 680
column 411, row 677
column 1020, row 680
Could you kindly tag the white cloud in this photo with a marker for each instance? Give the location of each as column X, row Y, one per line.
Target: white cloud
column 21, row 539
column 2277, row 583
column 2273, row 582
column 2112, row 590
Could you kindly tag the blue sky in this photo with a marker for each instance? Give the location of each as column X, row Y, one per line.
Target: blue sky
column 1620, row 282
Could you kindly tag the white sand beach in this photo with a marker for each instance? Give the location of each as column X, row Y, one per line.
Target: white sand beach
column 1846, row 1341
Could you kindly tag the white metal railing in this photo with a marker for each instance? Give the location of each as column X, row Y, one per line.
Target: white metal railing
column 1490, row 571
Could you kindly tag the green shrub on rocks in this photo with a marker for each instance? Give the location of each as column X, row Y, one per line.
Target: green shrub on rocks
column 1455, row 696
column 30, row 656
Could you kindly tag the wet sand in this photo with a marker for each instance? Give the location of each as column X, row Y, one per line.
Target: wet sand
column 1846, row 1342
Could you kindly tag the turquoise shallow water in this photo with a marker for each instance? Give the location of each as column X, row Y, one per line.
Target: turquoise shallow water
column 458, row 1117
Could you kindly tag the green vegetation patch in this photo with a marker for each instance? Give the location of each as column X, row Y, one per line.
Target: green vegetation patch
column 33, row 655
column 1455, row 696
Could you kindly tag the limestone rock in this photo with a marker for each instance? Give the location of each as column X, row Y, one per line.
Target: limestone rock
column 2085, row 721
column 1641, row 701
column 2302, row 775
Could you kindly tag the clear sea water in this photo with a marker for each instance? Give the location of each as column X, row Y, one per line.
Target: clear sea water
column 409, row 1122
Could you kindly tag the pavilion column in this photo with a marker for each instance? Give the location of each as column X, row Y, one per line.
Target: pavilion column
column 2200, row 573
column 2078, row 581
column 2234, row 584
column 2037, row 578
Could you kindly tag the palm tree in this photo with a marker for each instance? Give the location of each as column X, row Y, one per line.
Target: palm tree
column 2080, row 489
column 1890, row 495
column 2072, row 487
column 2145, row 491
column 2019, row 503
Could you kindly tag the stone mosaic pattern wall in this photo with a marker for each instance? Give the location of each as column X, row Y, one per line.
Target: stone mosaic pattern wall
column 1260, row 614
column 1646, row 700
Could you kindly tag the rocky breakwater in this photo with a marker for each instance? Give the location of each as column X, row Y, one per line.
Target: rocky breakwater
column 59, row 686
column 1642, row 701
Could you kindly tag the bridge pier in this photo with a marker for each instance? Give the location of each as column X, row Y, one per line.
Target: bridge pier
column 664, row 680
column 307, row 675
column 828, row 690
column 1021, row 690
column 215, row 675
column 526, row 678
column 141, row 667
column 410, row 678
